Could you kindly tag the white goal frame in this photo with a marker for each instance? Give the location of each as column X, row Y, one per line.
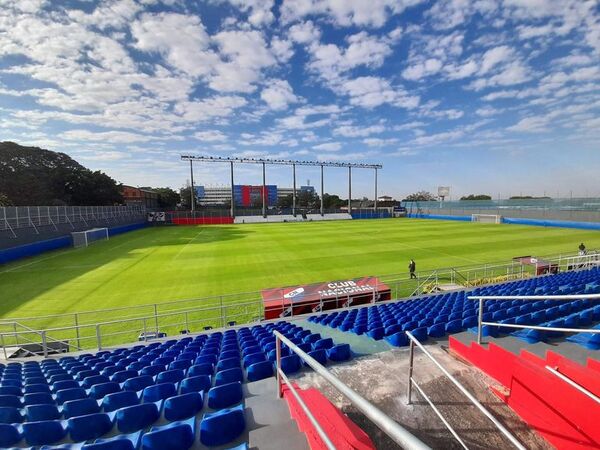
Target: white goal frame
column 486, row 218
column 82, row 239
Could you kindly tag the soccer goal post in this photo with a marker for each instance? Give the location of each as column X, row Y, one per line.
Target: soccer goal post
column 486, row 218
column 85, row 238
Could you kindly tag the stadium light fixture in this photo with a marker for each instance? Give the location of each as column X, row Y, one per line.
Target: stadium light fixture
column 288, row 162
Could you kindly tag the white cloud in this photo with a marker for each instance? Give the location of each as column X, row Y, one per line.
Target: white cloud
column 259, row 11
column 378, row 142
column 374, row 13
column 210, row 136
column 278, row 95
column 117, row 137
column 186, row 49
column 370, row 92
column 358, row 131
column 531, row 125
column 328, row 146
column 423, row 69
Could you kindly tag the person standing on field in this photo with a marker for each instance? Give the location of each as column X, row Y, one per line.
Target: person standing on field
column 411, row 268
column 582, row 249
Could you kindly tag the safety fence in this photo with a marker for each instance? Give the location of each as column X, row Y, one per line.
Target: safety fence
column 107, row 327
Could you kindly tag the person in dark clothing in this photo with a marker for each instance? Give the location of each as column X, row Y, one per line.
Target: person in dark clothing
column 411, row 268
column 581, row 249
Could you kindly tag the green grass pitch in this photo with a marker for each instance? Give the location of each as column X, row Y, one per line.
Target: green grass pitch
column 168, row 263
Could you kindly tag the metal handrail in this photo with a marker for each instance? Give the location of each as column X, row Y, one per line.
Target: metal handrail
column 414, row 341
column 483, row 298
column 394, row 430
column 572, row 383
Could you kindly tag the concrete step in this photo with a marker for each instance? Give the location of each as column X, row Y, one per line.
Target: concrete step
column 283, row 435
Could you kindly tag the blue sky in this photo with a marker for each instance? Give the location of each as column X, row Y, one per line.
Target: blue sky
column 487, row 96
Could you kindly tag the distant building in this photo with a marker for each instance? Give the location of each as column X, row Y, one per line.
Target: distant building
column 134, row 196
column 245, row 195
column 385, row 198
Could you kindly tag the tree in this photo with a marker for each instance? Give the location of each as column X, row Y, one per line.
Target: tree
column 184, row 195
column 285, row 202
column 307, row 199
column 4, row 200
column 476, row 197
column 34, row 176
column 167, row 197
column 332, row 201
column 421, row 196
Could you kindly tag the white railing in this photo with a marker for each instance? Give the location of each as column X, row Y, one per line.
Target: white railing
column 483, row 298
column 412, row 382
column 394, row 430
column 584, row 391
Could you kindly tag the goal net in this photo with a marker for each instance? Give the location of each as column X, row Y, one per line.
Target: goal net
column 85, row 238
column 486, row 218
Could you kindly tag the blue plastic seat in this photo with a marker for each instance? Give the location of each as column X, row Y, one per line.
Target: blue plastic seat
column 70, row 394
column 319, row 355
column 223, row 426
column 10, row 401
column 228, row 363
column 183, row 364
column 112, row 402
column 376, row 333
column 9, row 414
column 138, row 383
column 158, row 392
column 64, row 384
column 339, row 352
column 93, row 380
column 436, row 331
column 323, row 344
column 259, row 371
column 229, row 376
column 397, row 339
column 291, row 364
column 9, row 435
column 37, row 388
column 98, row 391
column 137, row 417
column 36, row 413
column 39, row 398
column 420, row 334
column 206, row 359
column 182, row 406
column 44, row 433
column 225, row 395
column 198, row 383
column 123, row 375
column 175, row 436
column 80, row 407
column 170, row 376
column 200, row 369
column 92, row 426
column 11, row 390
column 253, row 358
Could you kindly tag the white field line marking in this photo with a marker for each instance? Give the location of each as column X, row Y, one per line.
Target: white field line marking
column 188, row 243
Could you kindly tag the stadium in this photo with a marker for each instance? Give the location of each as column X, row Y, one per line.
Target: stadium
column 366, row 246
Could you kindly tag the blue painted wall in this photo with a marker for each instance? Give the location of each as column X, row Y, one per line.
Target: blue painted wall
column 513, row 221
column 36, row 248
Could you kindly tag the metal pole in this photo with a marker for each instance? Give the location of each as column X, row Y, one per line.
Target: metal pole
column 145, row 330
column 479, row 320
column 44, row 345
column 232, row 197
column 264, row 193
column 322, row 212
column 98, row 337
column 278, row 366
column 156, row 318
column 192, row 200
column 294, row 191
column 222, row 312
column 3, row 346
column 16, row 334
column 375, row 192
column 349, row 190
column 77, row 330
column 187, row 324
column 411, row 359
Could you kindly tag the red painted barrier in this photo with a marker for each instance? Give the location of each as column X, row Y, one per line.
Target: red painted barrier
column 344, row 433
column 218, row 220
column 564, row 416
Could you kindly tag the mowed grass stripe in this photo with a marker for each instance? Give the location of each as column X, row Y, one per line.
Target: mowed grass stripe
column 168, row 263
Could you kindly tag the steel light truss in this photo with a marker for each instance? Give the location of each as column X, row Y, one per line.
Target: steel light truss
column 285, row 162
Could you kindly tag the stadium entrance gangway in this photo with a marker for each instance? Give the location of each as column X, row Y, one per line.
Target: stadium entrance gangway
column 394, row 430
column 412, row 382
